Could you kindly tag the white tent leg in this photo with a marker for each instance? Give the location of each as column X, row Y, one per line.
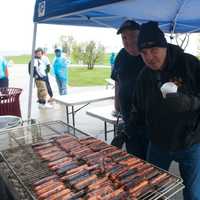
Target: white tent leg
column 31, row 76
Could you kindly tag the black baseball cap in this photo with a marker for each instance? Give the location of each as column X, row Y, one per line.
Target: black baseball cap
column 128, row 25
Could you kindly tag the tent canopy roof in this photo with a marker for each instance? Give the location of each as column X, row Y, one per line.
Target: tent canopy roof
column 178, row 16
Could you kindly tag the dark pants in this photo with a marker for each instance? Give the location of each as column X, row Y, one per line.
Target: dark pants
column 189, row 165
column 4, row 82
column 138, row 144
column 49, row 90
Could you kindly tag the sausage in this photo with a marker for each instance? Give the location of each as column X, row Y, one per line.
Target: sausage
column 60, row 165
column 146, row 171
column 113, row 194
column 108, row 150
column 139, row 186
column 59, row 195
column 76, row 175
column 74, row 196
column 77, row 169
column 84, row 183
column 50, row 192
column 93, row 155
column 142, row 191
column 45, row 180
column 39, row 187
column 151, row 174
column 50, row 164
column 131, row 182
column 48, row 187
column 137, row 165
column 92, row 167
column 66, row 197
column 127, row 173
column 120, row 154
column 81, row 178
column 158, row 179
column 66, row 167
column 130, row 161
column 58, row 156
column 166, row 182
column 98, row 183
column 118, row 159
column 120, row 196
column 114, row 152
column 102, row 191
column 115, row 175
column 87, row 141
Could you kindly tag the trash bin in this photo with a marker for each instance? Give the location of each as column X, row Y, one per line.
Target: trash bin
column 9, row 101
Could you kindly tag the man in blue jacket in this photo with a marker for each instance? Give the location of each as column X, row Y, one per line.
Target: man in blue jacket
column 60, row 70
column 173, row 120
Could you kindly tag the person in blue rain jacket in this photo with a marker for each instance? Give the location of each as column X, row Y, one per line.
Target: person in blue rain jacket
column 60, row 69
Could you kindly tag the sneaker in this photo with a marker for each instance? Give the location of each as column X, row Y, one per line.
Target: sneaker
column 50, row 100
column 46, row 105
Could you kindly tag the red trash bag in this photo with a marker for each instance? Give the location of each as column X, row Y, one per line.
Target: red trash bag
column 9, row 101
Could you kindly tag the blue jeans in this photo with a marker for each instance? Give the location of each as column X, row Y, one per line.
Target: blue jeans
column 62, row 86
column 189, row 165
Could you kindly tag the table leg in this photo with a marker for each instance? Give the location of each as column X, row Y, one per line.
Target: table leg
column 105, row 129
column 67, row 112
column 73, row 119
column 115, row 129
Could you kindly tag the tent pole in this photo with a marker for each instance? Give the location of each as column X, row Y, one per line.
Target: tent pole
column 31, row 73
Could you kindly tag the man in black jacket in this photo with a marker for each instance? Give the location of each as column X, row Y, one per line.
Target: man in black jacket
column 173, row 120
column 127, row 66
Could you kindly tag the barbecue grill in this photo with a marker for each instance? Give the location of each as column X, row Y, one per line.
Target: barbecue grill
column 20, row 166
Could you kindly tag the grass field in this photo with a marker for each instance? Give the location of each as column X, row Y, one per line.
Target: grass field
column 79, row 76
column 23, row 59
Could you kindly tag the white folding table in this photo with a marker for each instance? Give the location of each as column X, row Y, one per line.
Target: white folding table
column 104, row 113
column 84, row 99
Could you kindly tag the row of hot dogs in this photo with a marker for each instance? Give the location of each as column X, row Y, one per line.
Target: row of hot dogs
column 91, row 169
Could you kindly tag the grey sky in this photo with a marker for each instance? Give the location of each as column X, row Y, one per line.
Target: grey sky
column 17, row 29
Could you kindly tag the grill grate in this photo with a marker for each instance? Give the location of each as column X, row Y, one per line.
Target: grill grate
column 21, row 167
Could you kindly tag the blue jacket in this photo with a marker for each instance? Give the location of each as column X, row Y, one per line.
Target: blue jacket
column 60, row 65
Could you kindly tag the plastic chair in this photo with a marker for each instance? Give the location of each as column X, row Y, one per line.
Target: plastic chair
column 9, row 101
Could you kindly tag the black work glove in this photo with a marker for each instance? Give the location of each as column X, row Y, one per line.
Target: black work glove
column 120, row 137
column 179, row 102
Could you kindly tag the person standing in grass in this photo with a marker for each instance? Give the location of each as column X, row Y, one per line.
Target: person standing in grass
column 3, row 72
column 112, row 60
column 60, row 68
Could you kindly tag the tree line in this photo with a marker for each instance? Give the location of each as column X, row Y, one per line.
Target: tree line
column 88, row 53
